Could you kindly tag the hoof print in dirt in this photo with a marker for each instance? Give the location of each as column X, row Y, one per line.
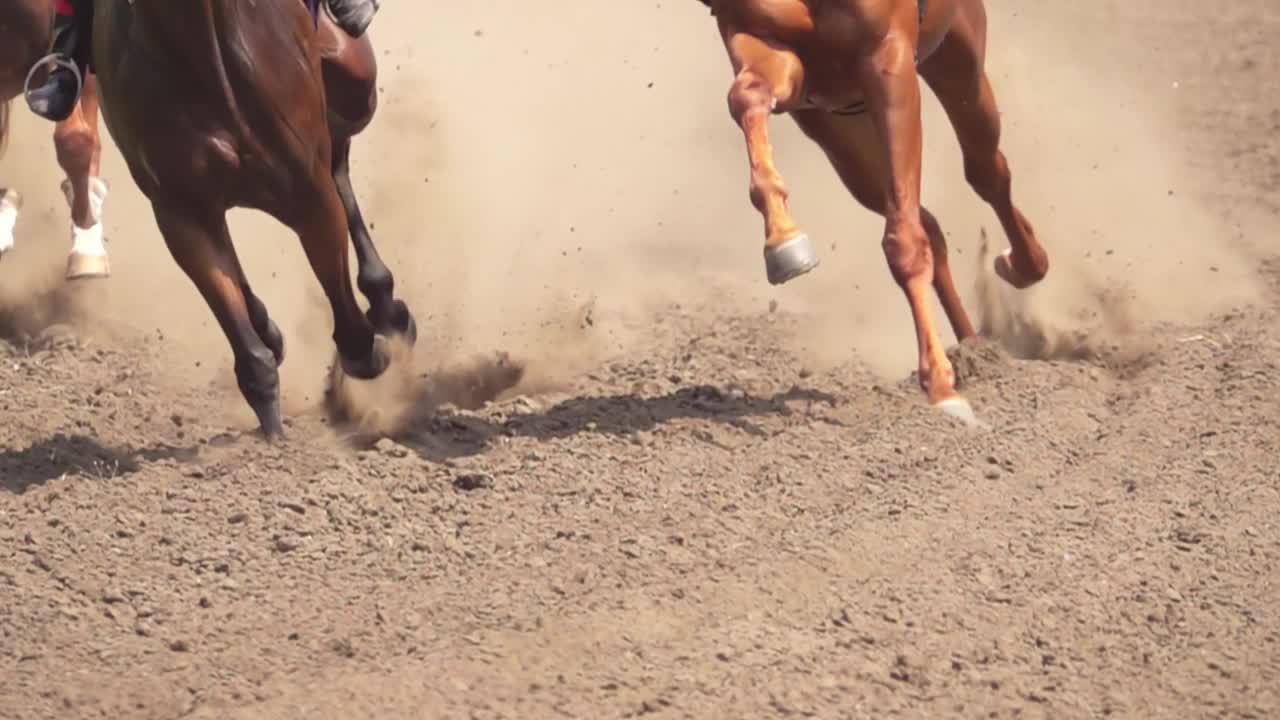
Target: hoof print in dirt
column 469, row 482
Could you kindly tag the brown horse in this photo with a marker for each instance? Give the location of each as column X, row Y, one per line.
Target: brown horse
column 846, row 72
column 217, row 104
column 25, row 32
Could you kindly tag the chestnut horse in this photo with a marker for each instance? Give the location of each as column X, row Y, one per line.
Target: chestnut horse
column 26, row 28
column 846, row 72
column 217, row 104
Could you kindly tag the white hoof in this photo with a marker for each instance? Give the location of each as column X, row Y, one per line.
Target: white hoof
column 960, row 409
column 87, row 267
column 790, row 260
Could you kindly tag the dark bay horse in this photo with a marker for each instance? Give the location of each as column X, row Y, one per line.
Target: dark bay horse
column 26, row 28
column 217, row 104
column 846, row 72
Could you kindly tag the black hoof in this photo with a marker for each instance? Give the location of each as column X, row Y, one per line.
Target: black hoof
column 398, row 322
column 370, row 367
column 270, row 423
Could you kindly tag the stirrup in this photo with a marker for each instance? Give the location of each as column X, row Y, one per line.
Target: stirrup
column 53, row 61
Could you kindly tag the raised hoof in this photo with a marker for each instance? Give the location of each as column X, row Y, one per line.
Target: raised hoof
column 274, row 340
column 87, row 267
column 1006, row 271
column 401, row 322
column 371, row 367
column 960, row 409
column 790, row 260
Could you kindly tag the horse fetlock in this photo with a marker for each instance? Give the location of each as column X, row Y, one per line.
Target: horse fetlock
column 937, row 379
column 766, row 187
column 376, row 283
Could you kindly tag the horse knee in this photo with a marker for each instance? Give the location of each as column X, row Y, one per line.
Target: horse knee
column 752, row 92
column 907, row 249
column 75, row 146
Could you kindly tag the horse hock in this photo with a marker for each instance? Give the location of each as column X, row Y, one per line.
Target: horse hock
column 88, row 257
column 10, row 204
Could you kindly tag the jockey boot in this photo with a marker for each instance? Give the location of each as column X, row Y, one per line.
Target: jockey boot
column 66, row 61
column 353, row 16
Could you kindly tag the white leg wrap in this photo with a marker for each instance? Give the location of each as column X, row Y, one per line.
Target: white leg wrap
column 9, row 204
column 88, row 241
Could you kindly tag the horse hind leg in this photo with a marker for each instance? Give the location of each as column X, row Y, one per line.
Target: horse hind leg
column 767, row 80
column 956, row 75
column 200, row 242
column 387, row 314
column 79, row 149
column 856, row 153
column 350, row 76
column 324, row 240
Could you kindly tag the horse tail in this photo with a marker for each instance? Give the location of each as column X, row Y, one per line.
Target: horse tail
column 4, row 126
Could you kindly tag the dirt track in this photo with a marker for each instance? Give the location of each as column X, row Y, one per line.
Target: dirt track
column 702, row 508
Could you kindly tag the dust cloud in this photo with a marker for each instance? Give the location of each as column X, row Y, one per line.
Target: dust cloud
column 544, row 183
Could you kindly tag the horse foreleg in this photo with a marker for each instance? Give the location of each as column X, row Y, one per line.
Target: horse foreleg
column 373, row 277
column 79, row 150
column 851, row 144
column 200, row 242
column 768, row 80
column 324, row 239
column 892, row 89
column 956, row 75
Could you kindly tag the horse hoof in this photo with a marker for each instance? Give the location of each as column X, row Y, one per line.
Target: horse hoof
column 270, row 422
column 403, row 322
column 1003, row 264
column 790, row 260
column 274, row 340
column 960, row 409
column 371, row 367
column 85, row 267
column 399, row 322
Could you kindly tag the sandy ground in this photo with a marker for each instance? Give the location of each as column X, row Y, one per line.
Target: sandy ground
column 707, row 497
